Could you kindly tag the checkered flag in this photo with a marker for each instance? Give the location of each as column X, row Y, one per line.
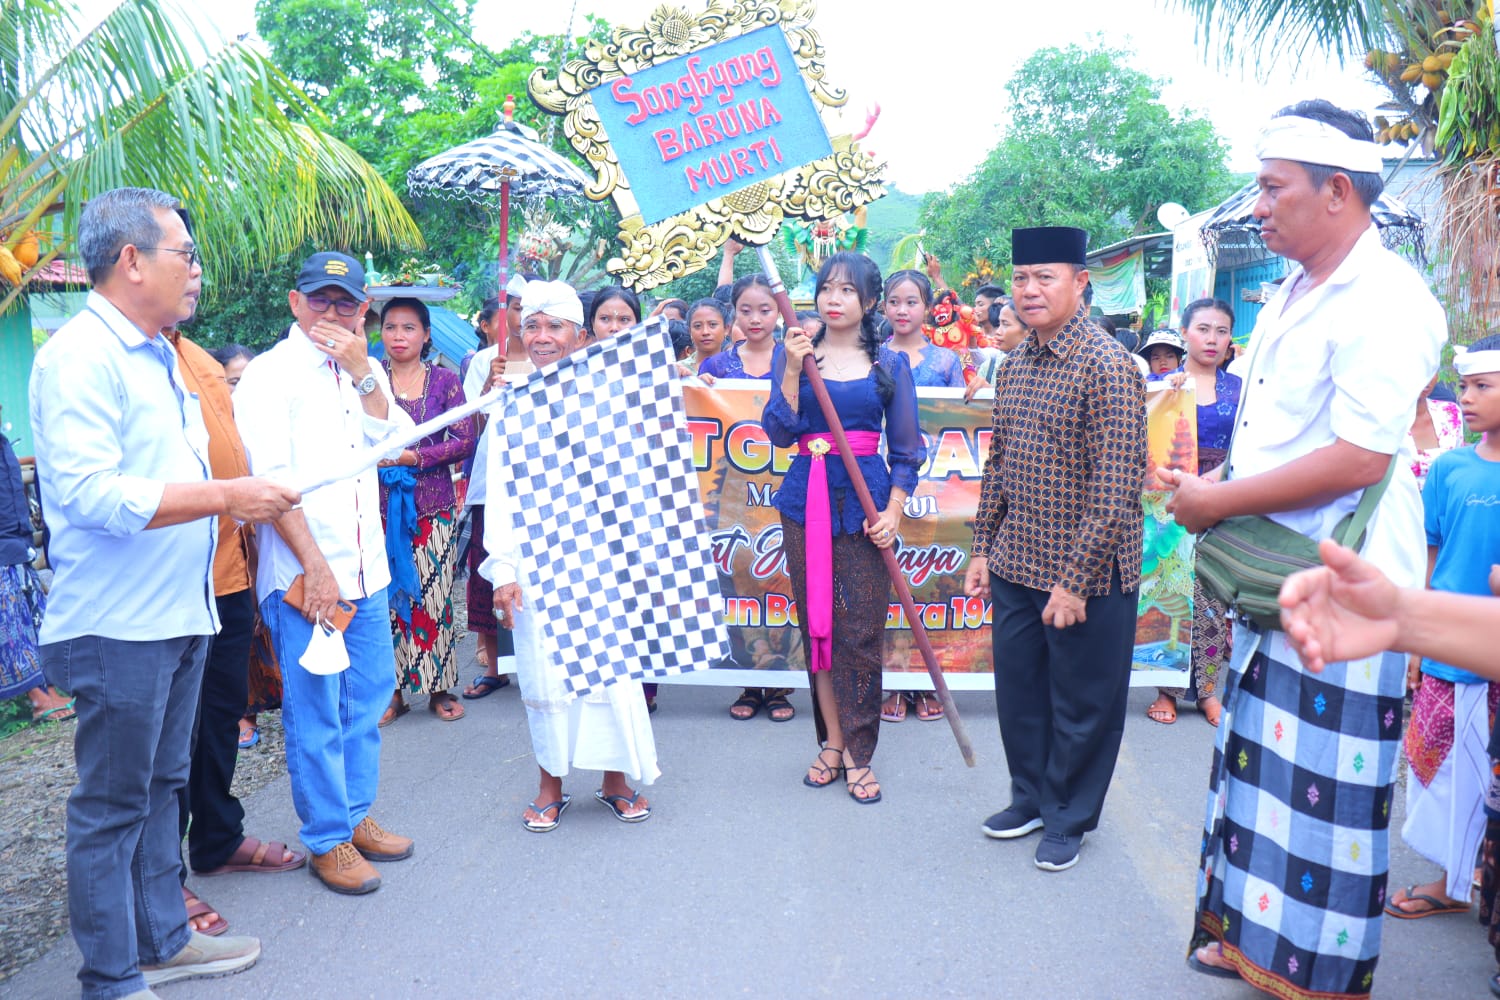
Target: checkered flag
column 609, row 515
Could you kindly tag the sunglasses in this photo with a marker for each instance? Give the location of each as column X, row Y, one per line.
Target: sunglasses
column 344, row 307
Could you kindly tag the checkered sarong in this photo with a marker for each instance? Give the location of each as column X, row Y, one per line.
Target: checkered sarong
column 1296, row 840
column 608, row 513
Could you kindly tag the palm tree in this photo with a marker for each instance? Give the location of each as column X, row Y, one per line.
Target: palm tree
column 143, row 99
column 1440, row 60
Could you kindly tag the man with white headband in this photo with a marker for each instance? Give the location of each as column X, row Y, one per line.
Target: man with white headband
column 1294, row 867
column 607, row 730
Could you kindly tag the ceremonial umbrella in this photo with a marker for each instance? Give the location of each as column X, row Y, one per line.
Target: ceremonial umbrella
column 511, row 161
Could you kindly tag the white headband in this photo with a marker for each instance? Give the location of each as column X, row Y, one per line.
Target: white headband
column 1307, row 141
column 516, row 286
column 553, row 298
column 1475, row 362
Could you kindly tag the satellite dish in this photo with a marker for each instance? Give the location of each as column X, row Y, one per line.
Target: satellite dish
column 1171, row 215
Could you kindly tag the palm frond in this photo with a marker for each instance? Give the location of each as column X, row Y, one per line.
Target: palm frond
column 141, row 99
column 1265, row 34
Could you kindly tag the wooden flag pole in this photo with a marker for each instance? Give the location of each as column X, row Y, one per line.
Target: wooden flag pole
column 898, row 580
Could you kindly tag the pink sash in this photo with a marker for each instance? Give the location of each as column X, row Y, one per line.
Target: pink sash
column 819, row 534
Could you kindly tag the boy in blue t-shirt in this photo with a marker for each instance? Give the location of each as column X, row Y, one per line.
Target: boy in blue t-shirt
column 1447, row 739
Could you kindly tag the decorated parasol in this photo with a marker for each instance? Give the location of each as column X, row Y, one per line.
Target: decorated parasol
column 510, row 161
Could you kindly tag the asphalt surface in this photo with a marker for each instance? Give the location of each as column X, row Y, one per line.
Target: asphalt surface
column 745, row 883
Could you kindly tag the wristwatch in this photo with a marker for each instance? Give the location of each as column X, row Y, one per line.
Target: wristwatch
column 366, row 385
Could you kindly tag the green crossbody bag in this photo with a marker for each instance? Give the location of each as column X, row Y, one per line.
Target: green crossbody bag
column 1244, row 560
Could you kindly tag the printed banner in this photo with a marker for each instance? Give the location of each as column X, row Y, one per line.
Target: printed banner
column 710, row 123
column 738, row 473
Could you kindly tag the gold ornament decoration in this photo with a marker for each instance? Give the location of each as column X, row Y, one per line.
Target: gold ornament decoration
column 652, row 255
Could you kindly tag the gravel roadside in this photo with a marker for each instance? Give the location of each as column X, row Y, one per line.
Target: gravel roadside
column 36, row 776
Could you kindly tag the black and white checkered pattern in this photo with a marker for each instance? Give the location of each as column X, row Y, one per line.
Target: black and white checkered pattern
column 608, row 513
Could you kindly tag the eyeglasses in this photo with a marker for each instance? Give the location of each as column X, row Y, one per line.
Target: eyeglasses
column 193, row 256
column 344, row 307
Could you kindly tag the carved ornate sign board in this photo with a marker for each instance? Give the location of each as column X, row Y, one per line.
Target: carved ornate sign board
column 702, row 127
column 706, row 125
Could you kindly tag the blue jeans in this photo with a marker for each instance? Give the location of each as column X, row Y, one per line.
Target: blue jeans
column 332, row 722
column 136, row 705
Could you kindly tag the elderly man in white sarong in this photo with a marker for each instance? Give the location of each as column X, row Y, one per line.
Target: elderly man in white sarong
column 607, row 730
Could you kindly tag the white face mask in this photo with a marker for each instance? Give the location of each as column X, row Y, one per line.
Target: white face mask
column 325, row 653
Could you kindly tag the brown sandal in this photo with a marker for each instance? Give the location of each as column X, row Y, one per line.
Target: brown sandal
column 254, row 856
column 397, row 708
column 198, row 908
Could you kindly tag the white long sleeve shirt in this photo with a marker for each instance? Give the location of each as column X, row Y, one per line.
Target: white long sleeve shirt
column 298, row 412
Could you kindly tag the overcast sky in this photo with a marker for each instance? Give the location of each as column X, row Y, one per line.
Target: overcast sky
column 936, row 66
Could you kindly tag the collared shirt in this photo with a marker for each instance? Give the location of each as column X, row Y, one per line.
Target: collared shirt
column 114, row 423
column 298, row 412
column 226, row 457
column 1060, row 501
column 1347, row 360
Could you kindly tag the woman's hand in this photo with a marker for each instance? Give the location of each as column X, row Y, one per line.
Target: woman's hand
column 975, row 384
column 883, row 531
column 1177, row 379
column 798, row 345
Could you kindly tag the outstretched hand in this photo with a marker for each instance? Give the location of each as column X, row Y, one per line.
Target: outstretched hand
column 1343, row 610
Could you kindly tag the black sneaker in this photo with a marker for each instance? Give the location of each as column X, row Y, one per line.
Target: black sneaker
column 1058, row 852
column 1010, row 823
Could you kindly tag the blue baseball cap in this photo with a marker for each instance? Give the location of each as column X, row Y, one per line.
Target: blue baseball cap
column 323, row 270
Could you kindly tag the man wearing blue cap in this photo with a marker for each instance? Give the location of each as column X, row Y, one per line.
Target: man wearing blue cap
column 1057, row 547
column 301, row 407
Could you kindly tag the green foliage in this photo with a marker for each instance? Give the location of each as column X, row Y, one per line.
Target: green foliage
column 141, row 99
column 1090, row 144
column 404, row 80
column 887, row 219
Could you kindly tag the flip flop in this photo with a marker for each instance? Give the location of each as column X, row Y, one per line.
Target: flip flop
column 896, row 714
column 926, row 700
column 487, row 686
column 401, row 709
column 1435, row 907
column 197, row 908
column 246, row 742
column 542, row 826
column 253, row 855
column 612, row 802
column 45, row 715
column 436, row 708
column 1198, row 965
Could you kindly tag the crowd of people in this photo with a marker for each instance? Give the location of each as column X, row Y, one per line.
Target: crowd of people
column 164, row 468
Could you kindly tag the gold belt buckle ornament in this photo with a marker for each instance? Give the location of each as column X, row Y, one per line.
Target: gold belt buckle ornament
column 818, row 448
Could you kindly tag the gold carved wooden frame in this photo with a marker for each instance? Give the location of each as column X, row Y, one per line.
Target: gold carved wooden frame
column 656, row 254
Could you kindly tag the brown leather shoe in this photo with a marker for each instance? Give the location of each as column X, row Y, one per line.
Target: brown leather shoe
column 380, row 845
column 344, row 870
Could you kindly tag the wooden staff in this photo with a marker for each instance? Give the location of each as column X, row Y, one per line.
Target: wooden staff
column 851, row 465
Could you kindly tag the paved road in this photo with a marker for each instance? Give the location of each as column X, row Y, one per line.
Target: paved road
column 744, row 883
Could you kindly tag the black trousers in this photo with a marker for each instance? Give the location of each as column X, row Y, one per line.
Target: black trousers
column 1060, row 696
column 217, row 825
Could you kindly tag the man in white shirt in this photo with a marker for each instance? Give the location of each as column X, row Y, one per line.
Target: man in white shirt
column 1294, row 867
column 123, row 463
column 301, row 408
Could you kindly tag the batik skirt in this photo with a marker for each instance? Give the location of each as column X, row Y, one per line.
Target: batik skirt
column 1296, row 840
column 861, row 597
column 425, row 646
column 22, row 604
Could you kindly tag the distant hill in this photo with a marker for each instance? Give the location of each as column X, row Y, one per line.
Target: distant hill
column 891, row 218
